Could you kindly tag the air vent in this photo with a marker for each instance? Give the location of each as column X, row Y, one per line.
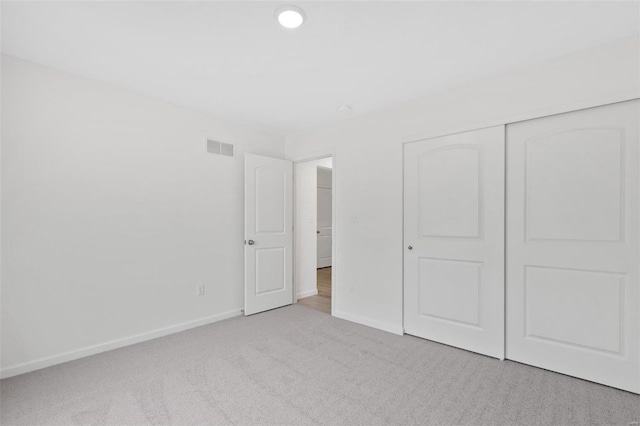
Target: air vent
column 220, row 148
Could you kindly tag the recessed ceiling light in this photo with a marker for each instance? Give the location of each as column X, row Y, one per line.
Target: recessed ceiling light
column 344, row 108
column 290, row 17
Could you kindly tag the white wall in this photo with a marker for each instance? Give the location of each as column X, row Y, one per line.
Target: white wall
column 368, row 152
column 324, row 177
column 306, row 214
column 112, row 213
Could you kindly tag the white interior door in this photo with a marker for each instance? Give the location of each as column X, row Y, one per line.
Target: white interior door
column 268, row 204
column 324, row 209
column 454, row 240
column 573, row 235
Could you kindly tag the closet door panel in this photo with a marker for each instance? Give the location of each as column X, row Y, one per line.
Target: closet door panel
column 572, row 244
column 454, row 238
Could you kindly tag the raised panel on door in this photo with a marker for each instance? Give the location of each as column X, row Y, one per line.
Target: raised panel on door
column 572, row 243
column 268, row 233
column 270, row 206
column 454, row 240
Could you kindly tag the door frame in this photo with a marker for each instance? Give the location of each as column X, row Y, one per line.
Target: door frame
column 334, row 257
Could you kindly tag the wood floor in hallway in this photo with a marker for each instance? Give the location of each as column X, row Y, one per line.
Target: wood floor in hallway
column 322, row 301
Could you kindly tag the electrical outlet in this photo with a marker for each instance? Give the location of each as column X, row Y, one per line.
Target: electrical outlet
column 200, row 290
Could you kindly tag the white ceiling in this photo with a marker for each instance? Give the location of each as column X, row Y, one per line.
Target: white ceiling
column 232, row 59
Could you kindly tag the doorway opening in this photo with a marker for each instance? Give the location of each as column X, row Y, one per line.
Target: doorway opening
column 314, row 233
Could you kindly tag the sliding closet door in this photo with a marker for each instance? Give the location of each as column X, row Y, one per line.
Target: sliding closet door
column 572, row 244
column 454, row 240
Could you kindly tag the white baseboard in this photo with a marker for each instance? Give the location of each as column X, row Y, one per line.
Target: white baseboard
column 307, row 294
column 37, row 364
column 370, row 323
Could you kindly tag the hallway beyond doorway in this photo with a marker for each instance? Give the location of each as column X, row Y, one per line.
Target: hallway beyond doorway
column 322, row 301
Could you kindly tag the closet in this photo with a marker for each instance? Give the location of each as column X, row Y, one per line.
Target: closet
column 522, row 242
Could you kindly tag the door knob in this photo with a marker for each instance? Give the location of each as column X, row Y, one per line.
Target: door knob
column 317, row 232
column 410, row 248
column 251, row 242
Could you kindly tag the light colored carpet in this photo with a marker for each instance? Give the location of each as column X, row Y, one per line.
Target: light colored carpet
column 298, row 366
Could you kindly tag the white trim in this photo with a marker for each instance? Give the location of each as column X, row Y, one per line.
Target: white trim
column 113, row 344
column 334, row 246
column 403, row 240
column 307, row 294
column 628, row 95
column 314, row 158
column 395, row 329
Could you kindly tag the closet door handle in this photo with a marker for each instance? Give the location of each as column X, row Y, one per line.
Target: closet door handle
column 251, row 242
column 410, row 248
